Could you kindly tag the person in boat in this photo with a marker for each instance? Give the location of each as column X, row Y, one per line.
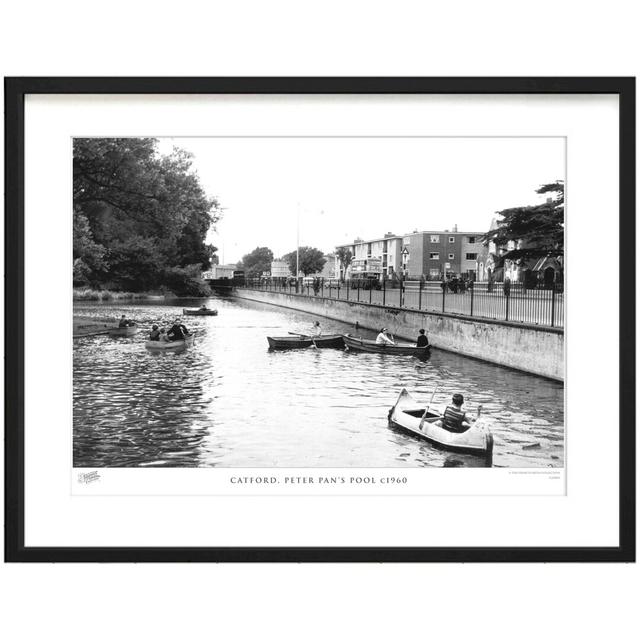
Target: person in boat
column 204, row 308
column 177, row 332
column 154, row 334
column 163, row 335
column 125, row 323
column 454, row 418
column 422, row 341
column 383, row 337
column 316, row 330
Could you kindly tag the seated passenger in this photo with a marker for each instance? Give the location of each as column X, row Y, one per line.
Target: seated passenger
column 203, row 307
column 154, row 334
column 315, row 329
column 178, row 331
column 383, row 337
column 123, row 322
column 163, row 335
column 422, row 341
column 454, row 418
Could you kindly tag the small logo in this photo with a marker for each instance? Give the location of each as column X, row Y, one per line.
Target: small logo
column 87, row 478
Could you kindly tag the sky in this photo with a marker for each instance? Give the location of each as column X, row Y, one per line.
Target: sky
column 343, row 188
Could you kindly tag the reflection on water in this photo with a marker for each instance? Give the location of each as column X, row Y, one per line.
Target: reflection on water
column 229, row 401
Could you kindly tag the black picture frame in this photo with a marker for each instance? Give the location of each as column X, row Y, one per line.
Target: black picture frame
column 15, row 91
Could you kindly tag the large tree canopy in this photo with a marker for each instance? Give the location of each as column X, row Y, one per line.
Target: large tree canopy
column 310, row 260
column 257, row 261
column 538, row 229
column 138, row 216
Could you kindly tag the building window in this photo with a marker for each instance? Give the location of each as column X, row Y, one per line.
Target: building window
column 471, row 256
column 452, row 256
column 407, row 241
column 434, row 256
column 452, row 239
column 434, row 272
column 435, row 239
column 471, row 239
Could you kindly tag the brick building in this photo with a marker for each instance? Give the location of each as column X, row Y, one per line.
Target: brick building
column 421, row 253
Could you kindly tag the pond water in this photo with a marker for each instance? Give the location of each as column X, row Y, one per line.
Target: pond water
column 229, row 401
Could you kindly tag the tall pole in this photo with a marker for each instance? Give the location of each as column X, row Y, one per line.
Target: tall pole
column 297, row 240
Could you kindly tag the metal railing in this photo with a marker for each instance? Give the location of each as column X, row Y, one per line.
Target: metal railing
column 510, row 302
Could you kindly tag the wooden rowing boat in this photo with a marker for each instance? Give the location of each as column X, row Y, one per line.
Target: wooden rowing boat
column 357, row 343
column 289, row 342
column 301, row 341
column 200, row 312
column 123, row 331
column 425, row 422
column 175, row 345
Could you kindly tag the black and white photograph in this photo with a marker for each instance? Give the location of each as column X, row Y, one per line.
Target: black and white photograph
column 317, row 302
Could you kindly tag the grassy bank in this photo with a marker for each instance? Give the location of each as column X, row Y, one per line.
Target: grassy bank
column 94, row 294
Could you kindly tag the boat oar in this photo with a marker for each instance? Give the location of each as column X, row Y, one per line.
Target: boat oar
column 426, row 411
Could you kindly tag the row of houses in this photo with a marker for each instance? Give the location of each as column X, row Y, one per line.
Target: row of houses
column 433, row 255
column 438, row 255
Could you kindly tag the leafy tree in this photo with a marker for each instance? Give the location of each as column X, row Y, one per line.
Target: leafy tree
column 186, row 281
column 537, row 229
column 257, row 261
column 344, row 258
column 88, row 255
column 137, row 214
column 311, row 260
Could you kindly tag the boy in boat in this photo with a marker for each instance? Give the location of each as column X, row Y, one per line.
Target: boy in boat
column 163, row 335
column 422, row 341
column 203, row 307
column 383, row 337
column 154, row 334
column 178, row 331
column 454, row 418
column 316, row 330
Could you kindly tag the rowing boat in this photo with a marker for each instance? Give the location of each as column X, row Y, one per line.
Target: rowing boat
column 200, row 312
column 123, row 331
column 425, row 422
column 335, row 341
column 175, row 345
column 357, row 343
column 289, row 342
column 301, row 341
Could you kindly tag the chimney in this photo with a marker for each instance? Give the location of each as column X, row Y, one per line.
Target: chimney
column 455, row 228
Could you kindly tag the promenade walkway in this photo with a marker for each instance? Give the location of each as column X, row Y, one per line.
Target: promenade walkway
column 541, row 307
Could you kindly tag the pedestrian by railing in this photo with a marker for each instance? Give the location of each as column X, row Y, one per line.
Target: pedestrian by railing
column 509, row 302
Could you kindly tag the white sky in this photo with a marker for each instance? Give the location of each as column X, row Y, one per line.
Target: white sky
column 350, row 187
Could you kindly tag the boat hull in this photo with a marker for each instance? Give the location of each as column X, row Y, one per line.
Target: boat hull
column 288, row 342
column 200, row 312
column 369, row 346
column 407, row 415
column 176, row 345
column 120, row 332
column 332, row 341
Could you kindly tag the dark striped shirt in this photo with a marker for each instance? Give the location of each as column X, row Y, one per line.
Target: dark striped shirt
column 453, row 418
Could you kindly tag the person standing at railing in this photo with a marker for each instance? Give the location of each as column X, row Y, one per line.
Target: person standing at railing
column 506, row 287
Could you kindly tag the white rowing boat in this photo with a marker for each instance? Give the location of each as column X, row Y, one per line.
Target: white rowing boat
column 426, row 423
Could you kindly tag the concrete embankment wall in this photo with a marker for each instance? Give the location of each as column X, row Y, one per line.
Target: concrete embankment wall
column 538, row 350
